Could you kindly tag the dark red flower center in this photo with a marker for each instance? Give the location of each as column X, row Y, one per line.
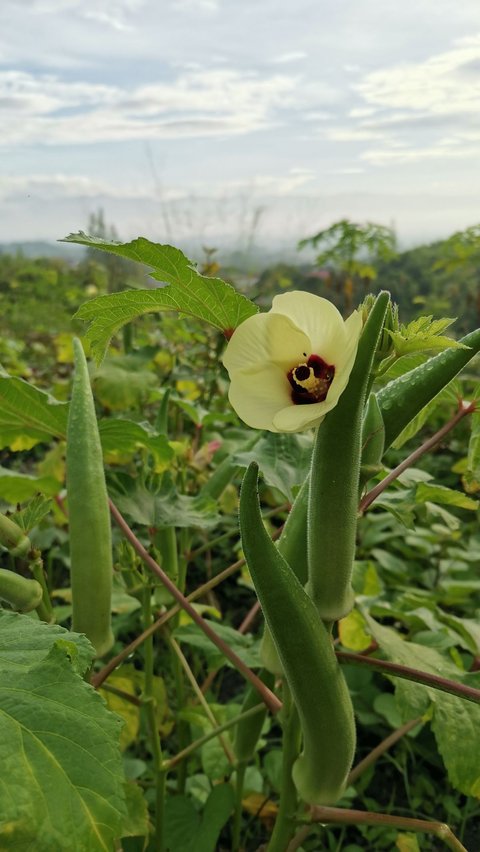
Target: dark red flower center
column 311, row 380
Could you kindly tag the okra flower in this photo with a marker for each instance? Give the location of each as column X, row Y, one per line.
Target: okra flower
column 288, row 367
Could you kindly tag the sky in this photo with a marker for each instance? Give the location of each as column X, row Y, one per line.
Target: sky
column 238, row 122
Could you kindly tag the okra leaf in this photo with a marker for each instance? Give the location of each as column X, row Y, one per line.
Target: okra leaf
column 16, row 487
column 455, row 722
column 187, row 291
column 187, row 831
column 166, row 507
column 428, row 491
column 62, row 781
column 28, row 415
column 283, row 459
column 473, row 458
column 123, row 437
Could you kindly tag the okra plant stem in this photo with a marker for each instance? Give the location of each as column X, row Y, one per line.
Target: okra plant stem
column 149, row 705
column 286, row 818
column 270, row 699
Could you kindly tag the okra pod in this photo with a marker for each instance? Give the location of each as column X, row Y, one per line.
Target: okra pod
column 13, row 537
column 403, row 398
column 21, row 593
column 89, row 515
column 292, row 544
column 307, row 656
column 335, row 472
column 248, row 731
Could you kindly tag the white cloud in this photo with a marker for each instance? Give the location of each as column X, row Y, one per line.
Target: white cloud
column 196, row 103
column 292, row 56
column 441, row 84
column 443, row 150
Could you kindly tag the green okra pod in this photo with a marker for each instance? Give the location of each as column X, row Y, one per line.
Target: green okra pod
column 248, row 731
column 13, row 537
column 292, row 544
column 403, row 398
column 373, row 440
column 307, row 656
column 21, row 593
column 89, row 515
column 334, row 483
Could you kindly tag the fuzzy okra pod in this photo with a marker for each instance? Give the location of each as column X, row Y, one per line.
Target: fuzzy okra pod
column 334, row 482
column 248, row 731
column 401, row 400
column 292, row 545
column 307, row 656
column 21, row 593
column 89, row 515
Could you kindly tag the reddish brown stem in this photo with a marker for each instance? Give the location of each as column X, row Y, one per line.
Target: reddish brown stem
column 381, row 748
column 351, row 817
column 464, row 409
column 271, row 700
column 405, row 672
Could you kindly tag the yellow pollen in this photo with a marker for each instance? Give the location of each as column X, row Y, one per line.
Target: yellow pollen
column 310, row 383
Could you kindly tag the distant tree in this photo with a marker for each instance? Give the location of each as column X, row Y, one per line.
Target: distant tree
column 120, row 272
column 352, row 251
column 461, row 253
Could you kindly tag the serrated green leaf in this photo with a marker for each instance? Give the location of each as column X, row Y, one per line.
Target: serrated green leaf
column 125, row 437
column 17, row 487
column 167, row 508
column 62, row 783
column 455, row 722
column 245, row 646
column 24, row 642
column 422, row 417
column 284, row 460
column 427, row 491
column 33, row 512
column 423, row 335
column 188, row 292
column 28, row 415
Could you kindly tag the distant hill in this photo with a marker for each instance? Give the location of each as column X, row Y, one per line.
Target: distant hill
column 38, row 248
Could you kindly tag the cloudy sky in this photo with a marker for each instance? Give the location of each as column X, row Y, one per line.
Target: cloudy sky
column 235, row 120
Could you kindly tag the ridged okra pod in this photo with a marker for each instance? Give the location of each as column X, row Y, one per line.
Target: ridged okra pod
column 334, row 483
column 307, row 656
column 401, row 400
column 89, row 515
column 21, row 593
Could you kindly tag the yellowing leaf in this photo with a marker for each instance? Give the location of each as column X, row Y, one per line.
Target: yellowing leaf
column 407, row 843
column 128, row 711
column 352, row 633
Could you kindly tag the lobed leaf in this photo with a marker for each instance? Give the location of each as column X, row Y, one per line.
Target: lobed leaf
column 28, row 415
column 187, row 291
column 62, row 782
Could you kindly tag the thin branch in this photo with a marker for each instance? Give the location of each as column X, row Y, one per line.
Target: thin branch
column 381, row 748
column 271, row 700
column 351, row 817
column 171, row 762
column 250, row 617
column 198, row 692
column 464, row 409
column 460, row 690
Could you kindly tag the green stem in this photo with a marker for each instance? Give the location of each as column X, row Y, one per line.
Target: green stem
column 150, row 707
column 237, row 817
column 286, row 818
column 171, row 762
column 45, row 608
